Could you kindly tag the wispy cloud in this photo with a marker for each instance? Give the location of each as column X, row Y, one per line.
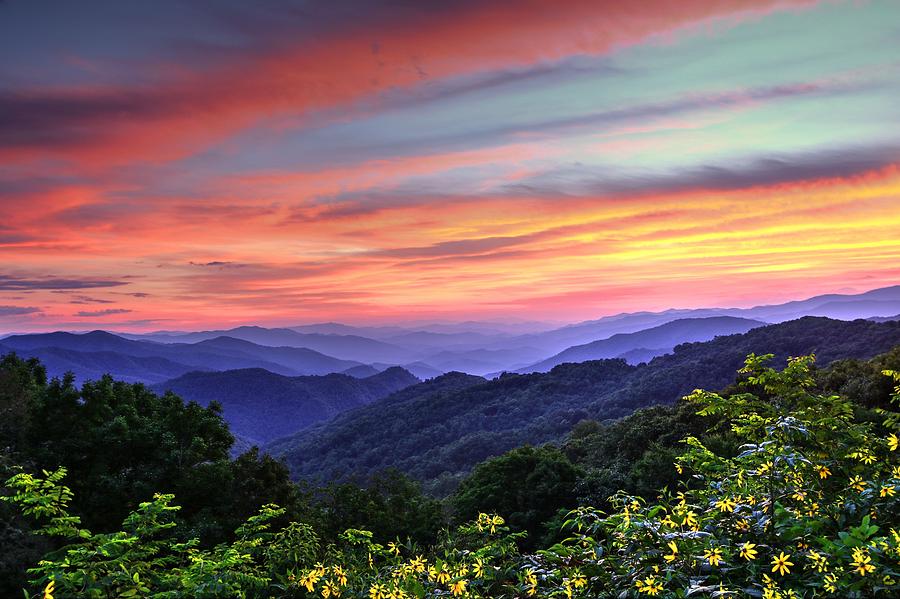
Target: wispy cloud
column 107, row 312
column 19, row 283
column 746, row 172
column 85, row 299
column 218, row 264
column 18, row 310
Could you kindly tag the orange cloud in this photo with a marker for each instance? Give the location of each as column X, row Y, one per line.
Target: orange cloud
column 561, row 258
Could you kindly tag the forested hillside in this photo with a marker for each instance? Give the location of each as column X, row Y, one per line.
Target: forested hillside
column 742, row 519
column 121, row 443
column 658, row 340
column 438, row 436
column 261, row 406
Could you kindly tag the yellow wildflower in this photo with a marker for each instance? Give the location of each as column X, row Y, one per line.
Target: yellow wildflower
column 443, row 575
column 578, row 579
column 649, row 586
column 748, row 551
column 330, row 590
column 726, row 505
column 690, row 519
column 417, row 564
column 862, row 562
column 494, row 522
column 674, row 555
column 459, row 587
column 478, row 568
column 397, row 593
column 530, row 582
column 866, row 457
column 713, row 556
column 820, row 563
column 781, row 564
column 310, row 579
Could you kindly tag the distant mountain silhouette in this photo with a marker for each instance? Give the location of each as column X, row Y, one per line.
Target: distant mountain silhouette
column 421, row 370
column 299, row 359
column 93, row 365
column 877, row 302
column 260, row 405
column 425, row 349
column 665, row 336
column 484, row 361
column 642, row 354
column 362, row 371
column 880, row 302
column 346, row 347
column 90, row 355
column 885, row 318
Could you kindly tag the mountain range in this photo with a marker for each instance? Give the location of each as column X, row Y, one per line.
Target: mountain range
column 276, row 383
column 260, row 405
column 424, row 349
column 90, row 355
column 437, row 430
column 641, row 346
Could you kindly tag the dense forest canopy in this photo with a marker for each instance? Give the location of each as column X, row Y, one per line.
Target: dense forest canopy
column 787, row 486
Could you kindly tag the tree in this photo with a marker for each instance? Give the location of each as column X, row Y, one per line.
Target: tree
column 530, row 485
column 389, row 504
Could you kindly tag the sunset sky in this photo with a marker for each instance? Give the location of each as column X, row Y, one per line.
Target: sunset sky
column 176, row 164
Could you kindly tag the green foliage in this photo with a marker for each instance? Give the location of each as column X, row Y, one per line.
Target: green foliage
column 145, row 559
column 793, row 514
column 121, row 444
column 529, row 485
column 781, row 487
column 809, row 506
column 388, row 504
column 20, row 383
column 635, row 453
